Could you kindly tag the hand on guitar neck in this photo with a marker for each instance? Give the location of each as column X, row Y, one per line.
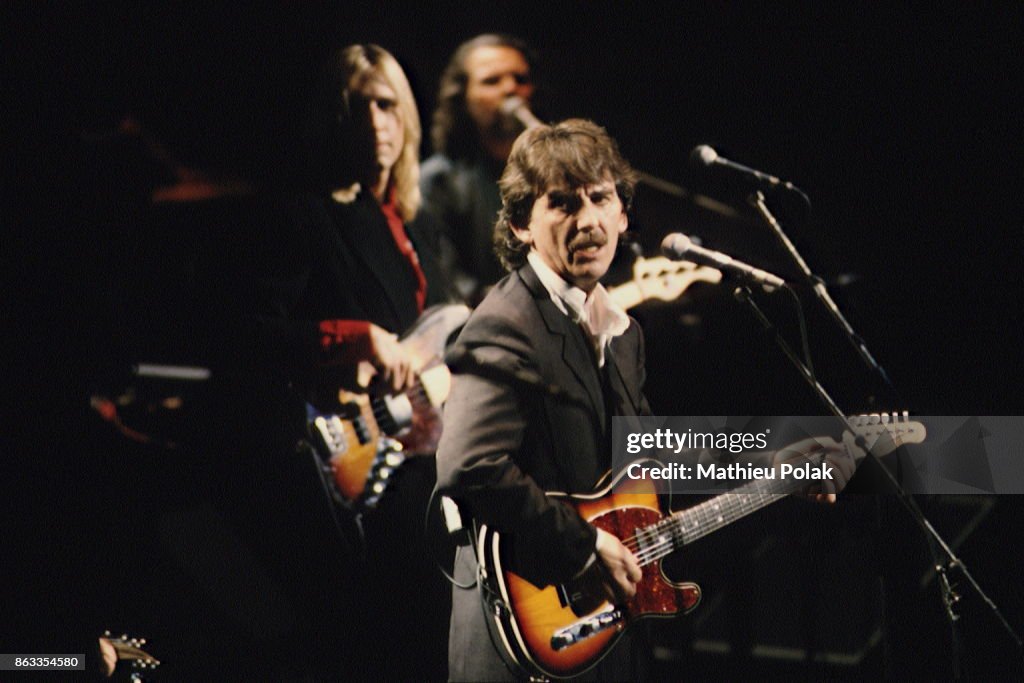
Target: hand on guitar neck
column 114, row 649
column 841, row 457
column 108, row 658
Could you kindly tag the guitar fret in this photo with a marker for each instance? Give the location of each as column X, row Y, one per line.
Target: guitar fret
column 725, row 509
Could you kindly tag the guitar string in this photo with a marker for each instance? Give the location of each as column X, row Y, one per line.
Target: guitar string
column 649, row 532
column 763, row 490
column 667, row 545
column 711, row 515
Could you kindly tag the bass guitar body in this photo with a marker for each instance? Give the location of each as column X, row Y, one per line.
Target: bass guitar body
column 365, row 439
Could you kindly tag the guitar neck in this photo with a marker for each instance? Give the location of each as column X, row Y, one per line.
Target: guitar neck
column 627, row 295
column 885, row 432
column 686, row 526
column 711, row 515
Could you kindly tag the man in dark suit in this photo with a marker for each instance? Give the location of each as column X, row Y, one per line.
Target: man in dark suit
column 549, row 323
column 543, row 365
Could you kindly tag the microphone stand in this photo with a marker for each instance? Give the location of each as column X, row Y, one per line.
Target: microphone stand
column 952, row 561
column 757, row 200
column 671, row 189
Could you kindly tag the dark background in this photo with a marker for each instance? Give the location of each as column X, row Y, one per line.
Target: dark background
column 902, row 124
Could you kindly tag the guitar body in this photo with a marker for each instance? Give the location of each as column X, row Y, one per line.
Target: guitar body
column 532, row 619
column 356, row 445
column 561, row 631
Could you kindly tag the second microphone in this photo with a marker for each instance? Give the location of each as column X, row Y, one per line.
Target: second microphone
column 678, row 247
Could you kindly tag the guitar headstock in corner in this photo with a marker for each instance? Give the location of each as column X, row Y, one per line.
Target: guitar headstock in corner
column 660, row 278
column 129, row 649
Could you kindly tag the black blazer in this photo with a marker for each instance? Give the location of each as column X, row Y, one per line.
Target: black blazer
column 321, row 260
column 506, row 443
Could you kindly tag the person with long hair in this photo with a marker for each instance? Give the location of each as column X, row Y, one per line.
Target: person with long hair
column 382, row 272
column 472, row 134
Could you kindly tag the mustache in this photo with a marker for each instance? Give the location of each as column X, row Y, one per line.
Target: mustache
column 592, row 239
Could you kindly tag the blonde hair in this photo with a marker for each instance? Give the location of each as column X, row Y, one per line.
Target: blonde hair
column 360, row 63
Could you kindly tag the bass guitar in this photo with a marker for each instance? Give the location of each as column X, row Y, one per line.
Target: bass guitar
column 659, row 278
column 562, row 631
column 363, row 445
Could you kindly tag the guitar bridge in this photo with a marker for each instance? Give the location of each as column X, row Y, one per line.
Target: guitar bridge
column 585, row 628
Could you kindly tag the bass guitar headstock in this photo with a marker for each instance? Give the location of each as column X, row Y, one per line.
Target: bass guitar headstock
column 129, row 649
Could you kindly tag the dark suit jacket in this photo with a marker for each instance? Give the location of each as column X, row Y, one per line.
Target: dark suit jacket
column 506, row 443
column 322, row 260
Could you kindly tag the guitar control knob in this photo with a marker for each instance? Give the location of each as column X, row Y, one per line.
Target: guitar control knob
column 389, row 444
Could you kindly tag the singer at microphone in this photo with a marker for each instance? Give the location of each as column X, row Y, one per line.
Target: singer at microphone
column 484, row 101
column 516, row 108
column 679, row 247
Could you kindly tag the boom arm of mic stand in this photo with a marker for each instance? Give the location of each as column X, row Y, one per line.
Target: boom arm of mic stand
column 679, row 192
column 818, row 286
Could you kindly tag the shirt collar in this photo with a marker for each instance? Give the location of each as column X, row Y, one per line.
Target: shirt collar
column 601, row 317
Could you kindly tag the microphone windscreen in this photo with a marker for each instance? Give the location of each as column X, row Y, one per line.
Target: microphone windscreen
column 675, row 246
column 703, row 155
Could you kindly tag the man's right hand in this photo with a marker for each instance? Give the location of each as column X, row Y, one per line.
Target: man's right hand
column 622, row 568
column 392, row 361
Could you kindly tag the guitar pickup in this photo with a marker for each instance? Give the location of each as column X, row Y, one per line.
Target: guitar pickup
column 332, row 433
column 585, row 628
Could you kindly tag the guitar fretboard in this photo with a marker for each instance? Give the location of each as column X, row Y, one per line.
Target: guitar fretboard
column 654, row 542
column 686, row 526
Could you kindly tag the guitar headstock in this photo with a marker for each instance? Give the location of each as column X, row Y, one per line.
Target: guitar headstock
column 885, row 432
column 129, row 649
column 659, row 278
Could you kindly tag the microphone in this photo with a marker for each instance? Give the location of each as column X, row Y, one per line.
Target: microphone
column 678, row 247
column 515, row 107
column 706, row 157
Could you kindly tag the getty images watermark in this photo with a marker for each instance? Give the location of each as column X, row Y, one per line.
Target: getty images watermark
column 712, row 454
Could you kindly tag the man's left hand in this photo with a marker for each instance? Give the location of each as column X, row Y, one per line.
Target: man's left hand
column 841, row 457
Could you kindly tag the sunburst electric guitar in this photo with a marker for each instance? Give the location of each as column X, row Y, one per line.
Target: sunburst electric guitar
column 561, row 631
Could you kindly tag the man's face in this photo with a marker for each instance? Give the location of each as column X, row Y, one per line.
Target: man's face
column 575, row 232
column 494, row 74
column 375, row 111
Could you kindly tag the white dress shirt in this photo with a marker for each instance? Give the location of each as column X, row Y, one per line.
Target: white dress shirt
column 600, row 317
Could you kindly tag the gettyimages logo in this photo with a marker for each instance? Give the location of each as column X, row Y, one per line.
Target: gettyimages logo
column 710, row 454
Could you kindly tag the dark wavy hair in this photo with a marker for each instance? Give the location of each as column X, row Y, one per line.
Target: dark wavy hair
column 572, row 154
column 452, row 131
